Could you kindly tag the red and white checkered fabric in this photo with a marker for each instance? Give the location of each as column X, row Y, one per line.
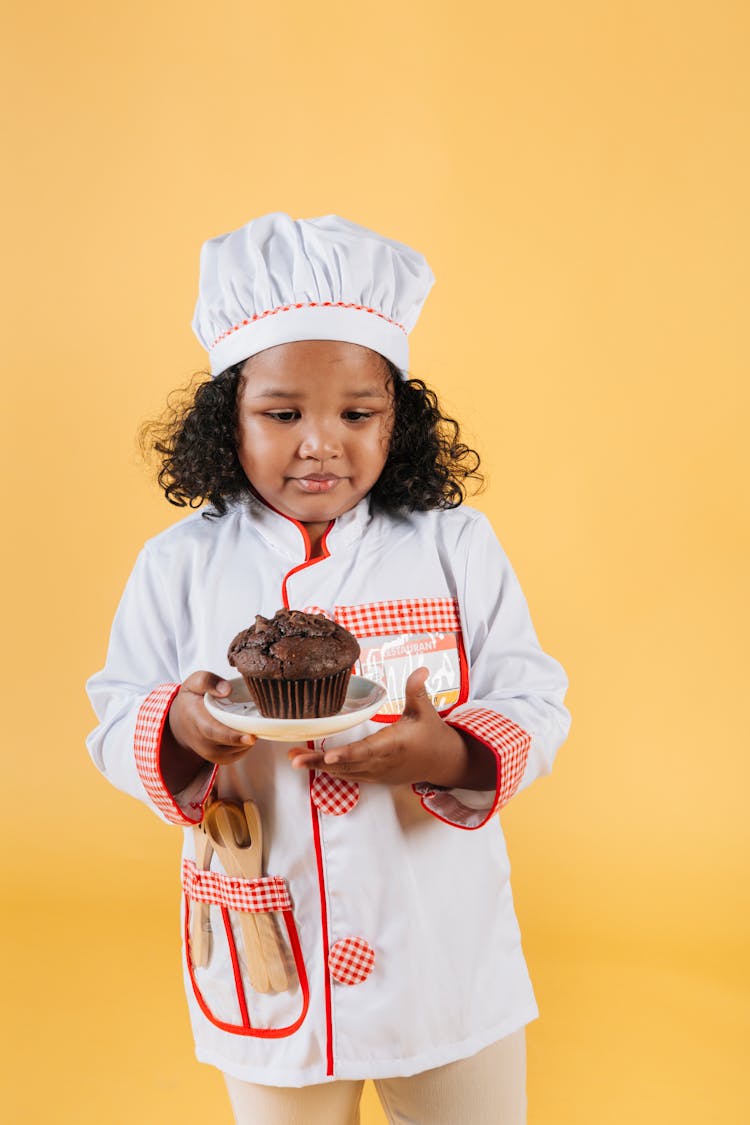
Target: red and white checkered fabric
column 258, row 896
column 149, row 726
column 510, row 742
column 334, row 795
column 408, row 615
column 317, row 609
column 351, row 960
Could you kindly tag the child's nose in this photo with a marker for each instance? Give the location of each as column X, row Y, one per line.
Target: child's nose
column 320, row 442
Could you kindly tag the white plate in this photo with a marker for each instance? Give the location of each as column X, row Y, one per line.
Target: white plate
column 363, row 698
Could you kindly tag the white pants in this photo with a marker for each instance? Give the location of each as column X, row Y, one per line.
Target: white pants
column 488, row 1088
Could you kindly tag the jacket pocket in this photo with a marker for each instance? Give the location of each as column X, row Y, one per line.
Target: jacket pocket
column 395, row 637
column 248, row 920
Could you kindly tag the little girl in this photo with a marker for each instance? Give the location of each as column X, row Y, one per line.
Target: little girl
column 333, row 485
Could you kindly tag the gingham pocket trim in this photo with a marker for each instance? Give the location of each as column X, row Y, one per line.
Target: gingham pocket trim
column 257, row 896
column 351, row 960
column 406, row 615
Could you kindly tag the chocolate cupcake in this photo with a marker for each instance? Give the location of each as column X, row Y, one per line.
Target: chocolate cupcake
column 296, row 665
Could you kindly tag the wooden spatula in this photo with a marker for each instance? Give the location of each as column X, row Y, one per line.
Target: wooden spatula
column 266, row 929
column 247, row 839
column 220, row 829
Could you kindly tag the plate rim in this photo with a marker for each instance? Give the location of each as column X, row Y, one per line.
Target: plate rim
column 270, row 724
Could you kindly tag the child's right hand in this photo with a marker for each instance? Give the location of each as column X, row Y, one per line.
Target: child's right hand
column 194, row 730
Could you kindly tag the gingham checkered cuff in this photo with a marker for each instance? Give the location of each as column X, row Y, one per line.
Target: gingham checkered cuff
column 185, row 807
column 509, row 743
column 259, row 896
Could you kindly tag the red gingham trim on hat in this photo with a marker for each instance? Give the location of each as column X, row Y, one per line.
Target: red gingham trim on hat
column 334, row 795
column 351, row 960
column 258, row 896
column 149, row 727
column 510, row 744
column 303, row 305
column 408, row 615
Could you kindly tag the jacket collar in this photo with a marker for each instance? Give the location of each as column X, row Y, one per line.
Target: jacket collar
column 290, row 538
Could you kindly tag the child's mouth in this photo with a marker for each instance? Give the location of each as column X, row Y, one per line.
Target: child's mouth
column 317, row 483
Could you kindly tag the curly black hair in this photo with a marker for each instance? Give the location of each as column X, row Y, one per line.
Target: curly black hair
column 427, row 465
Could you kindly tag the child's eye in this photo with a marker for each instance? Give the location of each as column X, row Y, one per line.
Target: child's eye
column 357, row 415
column 283, row 415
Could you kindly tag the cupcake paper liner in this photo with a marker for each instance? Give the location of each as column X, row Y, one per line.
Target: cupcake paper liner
column 299, row 699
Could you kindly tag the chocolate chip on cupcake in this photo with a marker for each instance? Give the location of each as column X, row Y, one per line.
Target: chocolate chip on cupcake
column 296, row 665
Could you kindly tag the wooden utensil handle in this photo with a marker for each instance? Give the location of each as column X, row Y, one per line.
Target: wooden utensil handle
column 200, row 912
column 200, row 933
column 256, row 962
column 272, row 954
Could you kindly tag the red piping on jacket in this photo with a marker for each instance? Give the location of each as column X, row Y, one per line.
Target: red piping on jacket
column 242, row 999
column 324, row 924
column 245, row 1027
column 324, row 554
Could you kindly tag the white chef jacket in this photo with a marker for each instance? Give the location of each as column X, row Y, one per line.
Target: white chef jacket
column 394, row 901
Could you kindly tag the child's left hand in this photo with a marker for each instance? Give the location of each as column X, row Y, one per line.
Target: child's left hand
column 419, row 747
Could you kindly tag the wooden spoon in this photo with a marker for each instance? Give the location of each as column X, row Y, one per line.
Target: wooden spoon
column 219, row 827
column 200, row 912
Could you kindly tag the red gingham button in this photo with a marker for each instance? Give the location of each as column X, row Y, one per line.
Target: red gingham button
column 351, row 960
column 334, row 795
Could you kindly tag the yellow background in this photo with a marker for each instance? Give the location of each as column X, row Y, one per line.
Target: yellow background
column 577, row 175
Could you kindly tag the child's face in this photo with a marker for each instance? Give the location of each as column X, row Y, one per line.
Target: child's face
column 314, row 424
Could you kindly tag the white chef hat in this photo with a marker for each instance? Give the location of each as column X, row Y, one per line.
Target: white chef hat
column 278, row 279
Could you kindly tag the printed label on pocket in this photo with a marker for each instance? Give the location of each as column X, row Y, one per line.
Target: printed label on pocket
column 398, row 636
column 391, row 660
